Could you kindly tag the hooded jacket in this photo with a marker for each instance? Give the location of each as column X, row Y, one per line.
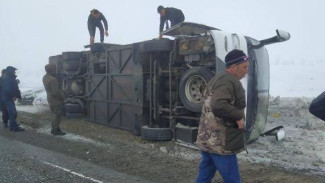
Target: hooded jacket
column 55, row 95
column 10, row 89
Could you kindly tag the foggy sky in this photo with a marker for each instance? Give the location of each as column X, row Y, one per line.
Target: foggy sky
column 33, row 30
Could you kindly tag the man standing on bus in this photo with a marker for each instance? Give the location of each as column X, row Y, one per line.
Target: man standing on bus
column 175, row 16
column 95, row 19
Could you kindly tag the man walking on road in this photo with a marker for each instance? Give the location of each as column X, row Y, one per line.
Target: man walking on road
column 95, row 20
column 221, row 130
column 10, row 92
column 55, row 98
column 5, row 115
column 175, row 16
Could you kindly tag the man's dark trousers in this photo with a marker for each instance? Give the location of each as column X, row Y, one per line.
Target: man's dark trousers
column 226, row 165
column 5, row 115
column 101, row 30
column 12, row 114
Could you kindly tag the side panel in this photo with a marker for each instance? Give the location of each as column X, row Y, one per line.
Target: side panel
column 258, row 92
column 112, row 87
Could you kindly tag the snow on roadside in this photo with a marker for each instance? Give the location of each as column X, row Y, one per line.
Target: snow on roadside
column 304, row 145
column 74, row 137
column 39, row 104
column 32, row 108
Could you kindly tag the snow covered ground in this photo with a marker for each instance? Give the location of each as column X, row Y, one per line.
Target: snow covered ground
column 303, row 148
column 32, row 109
column 304, row 145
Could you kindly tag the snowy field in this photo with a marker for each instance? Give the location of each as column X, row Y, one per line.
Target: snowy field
column 294, row 78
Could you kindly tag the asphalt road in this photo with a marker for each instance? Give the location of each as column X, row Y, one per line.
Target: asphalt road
column 21, row 162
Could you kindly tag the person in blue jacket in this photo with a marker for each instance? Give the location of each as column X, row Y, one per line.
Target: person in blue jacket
column 4, row 110
column 10, row 92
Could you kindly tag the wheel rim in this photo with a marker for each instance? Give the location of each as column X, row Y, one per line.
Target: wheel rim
column 192, row 88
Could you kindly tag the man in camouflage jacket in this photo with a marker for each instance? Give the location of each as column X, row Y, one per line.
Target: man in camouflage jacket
column 221, row 130
column 55, row 98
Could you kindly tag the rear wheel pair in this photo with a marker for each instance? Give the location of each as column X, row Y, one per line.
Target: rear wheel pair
column 156, row 133
column 191, row 88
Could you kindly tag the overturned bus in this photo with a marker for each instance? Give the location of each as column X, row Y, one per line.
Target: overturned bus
column 153, row 88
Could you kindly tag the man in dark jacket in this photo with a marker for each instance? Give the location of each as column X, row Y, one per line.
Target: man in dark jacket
column 95, row 20
column 221, row 130
column 174, row 15
column 317, row 107
column 10, row 92
column 5, row 115
column 55, row 98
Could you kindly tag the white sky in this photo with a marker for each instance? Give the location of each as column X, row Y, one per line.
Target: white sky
column 33, row 30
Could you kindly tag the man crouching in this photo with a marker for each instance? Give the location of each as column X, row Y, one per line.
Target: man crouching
column 55, row 98
column 221, row 130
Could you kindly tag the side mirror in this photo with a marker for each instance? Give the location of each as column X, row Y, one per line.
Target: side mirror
column 280, row 135
column 282, row 35
column 278, row 132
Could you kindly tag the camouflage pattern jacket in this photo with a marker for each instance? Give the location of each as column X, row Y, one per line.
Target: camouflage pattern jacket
column 224, row 104
column 55, row 95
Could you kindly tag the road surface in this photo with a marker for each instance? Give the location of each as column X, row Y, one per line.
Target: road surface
column 21, row 162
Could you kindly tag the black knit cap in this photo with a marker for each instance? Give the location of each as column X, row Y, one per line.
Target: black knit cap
column 235, row 57
column 160, row 8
